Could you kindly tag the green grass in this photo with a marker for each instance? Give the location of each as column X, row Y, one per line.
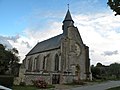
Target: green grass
column 73, row 84
column 30, row 87
column 114, row 88
column 24, row 88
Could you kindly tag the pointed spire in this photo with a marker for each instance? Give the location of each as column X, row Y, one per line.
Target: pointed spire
column 68, row 16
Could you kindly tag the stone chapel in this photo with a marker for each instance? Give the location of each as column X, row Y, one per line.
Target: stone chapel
column 60, row 59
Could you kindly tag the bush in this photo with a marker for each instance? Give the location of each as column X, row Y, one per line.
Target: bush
column 40, row 83
column 22, row 84
column 6, row 81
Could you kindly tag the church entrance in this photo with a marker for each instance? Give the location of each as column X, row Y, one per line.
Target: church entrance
column 55, row 79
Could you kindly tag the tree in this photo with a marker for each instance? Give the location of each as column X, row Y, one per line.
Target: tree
column 95, row 72
column 115, row 6
column 8, row 59
column 99, row 65
column 15, row 51
column 115, row 69
column 3, row 59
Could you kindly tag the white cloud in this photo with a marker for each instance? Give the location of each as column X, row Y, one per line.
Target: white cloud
column 110, row 53
column 5, row 40
column 31, row 37
column 100, row 32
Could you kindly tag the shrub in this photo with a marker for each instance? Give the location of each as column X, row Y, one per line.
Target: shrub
column 22, row 84
column 6, row 81
column 40, row 83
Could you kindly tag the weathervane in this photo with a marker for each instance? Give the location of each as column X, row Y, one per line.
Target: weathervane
column 68, row 6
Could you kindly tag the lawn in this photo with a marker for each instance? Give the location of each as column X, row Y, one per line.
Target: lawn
column 114, row 88
column 24, row 88
column 30, row 87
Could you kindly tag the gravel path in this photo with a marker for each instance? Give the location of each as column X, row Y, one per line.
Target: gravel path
column 102, row 86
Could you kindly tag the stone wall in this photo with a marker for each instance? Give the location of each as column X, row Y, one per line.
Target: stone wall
column 21, row 76
column 50, row 64
column 30, row 77
column 68, row 79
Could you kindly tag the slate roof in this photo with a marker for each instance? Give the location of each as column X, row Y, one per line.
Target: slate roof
column 47, row 45
column 68, row 17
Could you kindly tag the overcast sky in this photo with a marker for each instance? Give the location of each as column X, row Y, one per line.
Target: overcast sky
column 24, row 23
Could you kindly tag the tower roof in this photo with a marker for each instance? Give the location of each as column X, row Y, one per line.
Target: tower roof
column 68, row 17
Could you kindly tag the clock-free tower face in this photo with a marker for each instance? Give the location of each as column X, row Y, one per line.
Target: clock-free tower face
column 77, row 49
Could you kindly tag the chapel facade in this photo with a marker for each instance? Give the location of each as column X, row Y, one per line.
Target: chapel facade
column 60, row 59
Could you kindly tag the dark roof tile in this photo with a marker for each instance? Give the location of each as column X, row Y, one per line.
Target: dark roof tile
column 46, row 45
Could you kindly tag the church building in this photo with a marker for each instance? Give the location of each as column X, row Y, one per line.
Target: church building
column 60, row 59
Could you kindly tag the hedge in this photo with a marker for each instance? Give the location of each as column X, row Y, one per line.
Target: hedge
column 6, row 80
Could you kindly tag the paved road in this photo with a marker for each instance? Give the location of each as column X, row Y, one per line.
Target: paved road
column 4, row 88
column 102, row 86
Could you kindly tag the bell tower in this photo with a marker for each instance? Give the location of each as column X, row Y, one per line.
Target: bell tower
column 67, row 22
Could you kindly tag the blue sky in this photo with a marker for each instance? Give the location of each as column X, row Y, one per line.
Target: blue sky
column 23, row 23
column 16, row 15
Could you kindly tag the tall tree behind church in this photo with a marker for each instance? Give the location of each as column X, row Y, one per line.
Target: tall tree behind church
column 8, row 60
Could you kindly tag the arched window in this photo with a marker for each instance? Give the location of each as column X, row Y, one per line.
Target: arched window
column 44, row 63
column 30, row 64
column 34, row 63
column 56, row 62
column 37, row 63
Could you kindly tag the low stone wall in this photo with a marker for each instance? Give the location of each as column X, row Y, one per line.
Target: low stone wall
column 68, row 78
column 21, row 77
column 29, row 77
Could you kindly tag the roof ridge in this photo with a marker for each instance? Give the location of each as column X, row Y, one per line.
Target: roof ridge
column 50, row 38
